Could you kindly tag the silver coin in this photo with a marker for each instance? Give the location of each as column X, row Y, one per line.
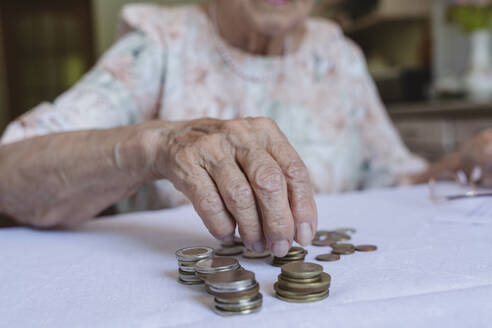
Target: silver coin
column 194, row 254
column 231, row 280
column 254, row 301
column 230, row 313
column 216, row 264
column 189, row 283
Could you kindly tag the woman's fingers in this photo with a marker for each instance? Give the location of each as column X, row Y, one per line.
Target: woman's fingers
column 300, row 190
column 203, row 193
column 240, row 201
column 270, row 188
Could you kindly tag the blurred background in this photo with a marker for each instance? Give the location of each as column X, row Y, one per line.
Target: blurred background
column 430, row 58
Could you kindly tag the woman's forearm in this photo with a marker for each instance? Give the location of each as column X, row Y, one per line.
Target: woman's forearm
column 69, row 177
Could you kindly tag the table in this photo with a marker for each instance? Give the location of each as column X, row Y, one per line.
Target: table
column 433, row 268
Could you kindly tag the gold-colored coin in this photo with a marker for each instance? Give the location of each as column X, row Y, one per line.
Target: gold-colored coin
column 300, row 281
column 255, row 255
column 299, row 292
column 328, row 257
column 295, row 250
column 237, row 295
column 323, row 243
column 295, row 256
column 306, row 287
column 229, row 251
column 306, row 299
column 366, row 248
column 343, row 249
column 301, row 270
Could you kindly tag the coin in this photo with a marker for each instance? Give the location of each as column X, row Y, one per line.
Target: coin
column 328, row 257
column 228, row 244
column 231, row 280
column 251, row 310
column 306, row 299
column 322, row 243
column 284, row 291
column 237, row 295
column 228, row 251
column 346, row 230
column 366, row 248
column 238, row 241
column 295, row 250
column 295, row 256
column 343, row 249
column 282, row 277
column 255, row 255
column 193, row 254
column 216, row 264
column 239, row 303
column 301, row 270
column 310, row 287
column 189, row 283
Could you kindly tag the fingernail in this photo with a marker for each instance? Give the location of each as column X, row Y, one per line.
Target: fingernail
column 228, row 239
column 259, row 247
column 280, row 248
column 304, row 233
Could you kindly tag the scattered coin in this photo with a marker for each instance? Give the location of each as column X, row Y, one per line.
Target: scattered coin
column 323, row 243
column 328, row 257
column 366, row 248
column 254, row 255
column 346, row 230
column 343, row 249
column 229, row 251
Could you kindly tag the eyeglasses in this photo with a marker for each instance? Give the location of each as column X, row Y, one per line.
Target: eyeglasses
column 465, row 187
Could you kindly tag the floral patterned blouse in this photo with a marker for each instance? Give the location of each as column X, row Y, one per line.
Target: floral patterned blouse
column 169, row 63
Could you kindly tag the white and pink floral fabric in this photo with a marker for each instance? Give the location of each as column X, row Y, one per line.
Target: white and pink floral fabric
column 168, row 65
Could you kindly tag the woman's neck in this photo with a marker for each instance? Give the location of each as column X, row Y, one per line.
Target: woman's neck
column 238, row 31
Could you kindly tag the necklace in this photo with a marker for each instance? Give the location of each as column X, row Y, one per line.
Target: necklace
column 231, row 63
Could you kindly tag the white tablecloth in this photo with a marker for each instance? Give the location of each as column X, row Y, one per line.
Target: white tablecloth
column 433, row 268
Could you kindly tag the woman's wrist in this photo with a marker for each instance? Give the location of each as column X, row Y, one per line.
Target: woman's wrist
column 139, row 149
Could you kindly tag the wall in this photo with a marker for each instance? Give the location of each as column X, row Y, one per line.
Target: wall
column 106, row 17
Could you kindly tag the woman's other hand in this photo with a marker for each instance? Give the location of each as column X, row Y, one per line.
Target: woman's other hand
column 476, row 152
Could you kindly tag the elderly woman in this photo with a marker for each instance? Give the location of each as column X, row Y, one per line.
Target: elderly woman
column 221, row 102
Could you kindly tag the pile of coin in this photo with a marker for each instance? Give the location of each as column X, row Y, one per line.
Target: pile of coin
column 302, row 282
column 333, row 238
column 236, row 292
column 187, row 259
column 231, row 248
column 207, row 267
column 295, row 254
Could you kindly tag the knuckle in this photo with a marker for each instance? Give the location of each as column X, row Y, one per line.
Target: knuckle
column 240, row 195
column 297, row 172
column 209, row 204
column 278, row 226
column 269, row 178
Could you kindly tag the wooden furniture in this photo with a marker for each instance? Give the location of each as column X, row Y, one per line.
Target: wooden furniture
column 48, row 46
column 434, row 129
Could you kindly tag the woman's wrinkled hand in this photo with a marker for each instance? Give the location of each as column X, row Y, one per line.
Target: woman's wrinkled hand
column 243, row 172
column 475, row 153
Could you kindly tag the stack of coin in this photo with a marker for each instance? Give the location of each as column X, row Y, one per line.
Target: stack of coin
column 295, row 254
column 205, row 268
column 231, row 248
column 187, row 259
column 302, row 282
column 236, row 292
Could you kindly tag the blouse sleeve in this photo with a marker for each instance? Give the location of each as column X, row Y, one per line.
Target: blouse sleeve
column 123, row 88
column 386, row 159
